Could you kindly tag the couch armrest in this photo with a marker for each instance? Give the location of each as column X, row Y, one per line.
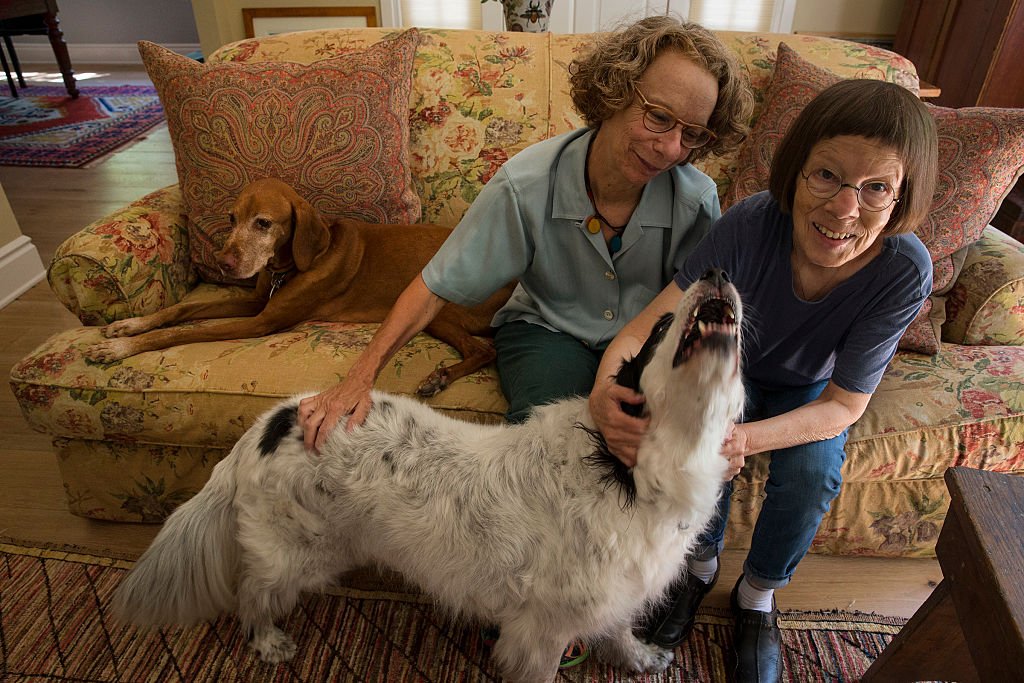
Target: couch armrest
column 986, row 305
column 132, row 262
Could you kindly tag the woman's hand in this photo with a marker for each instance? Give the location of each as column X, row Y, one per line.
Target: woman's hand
column 622, row 432
column 412, row 312
column 734, row 450
column 318, row 415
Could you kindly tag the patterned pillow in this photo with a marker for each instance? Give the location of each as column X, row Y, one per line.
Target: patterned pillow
column 981, row 154
column 336, row 130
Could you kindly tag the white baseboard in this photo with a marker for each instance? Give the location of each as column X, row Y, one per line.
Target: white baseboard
column 20, row 268
column 91, row 53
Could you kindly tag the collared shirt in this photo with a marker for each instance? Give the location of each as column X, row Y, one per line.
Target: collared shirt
column 528, row 223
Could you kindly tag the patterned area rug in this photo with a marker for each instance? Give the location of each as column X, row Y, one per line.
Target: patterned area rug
column 55, row 625
column 45, row 127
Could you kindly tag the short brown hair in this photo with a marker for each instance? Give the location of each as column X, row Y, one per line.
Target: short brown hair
column 602, row 81
column 879, row 111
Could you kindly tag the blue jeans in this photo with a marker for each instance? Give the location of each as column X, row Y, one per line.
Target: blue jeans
column 802, row 482
column 538, row 366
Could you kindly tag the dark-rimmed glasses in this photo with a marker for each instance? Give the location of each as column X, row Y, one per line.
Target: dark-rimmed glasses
column 658, row 119
column 873, row 195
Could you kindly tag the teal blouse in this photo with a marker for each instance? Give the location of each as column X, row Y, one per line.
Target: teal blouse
column 528, row 224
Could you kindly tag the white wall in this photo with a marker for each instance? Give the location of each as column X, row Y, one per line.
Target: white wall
column 20, row 265
column 875, row 17
column 105, row 31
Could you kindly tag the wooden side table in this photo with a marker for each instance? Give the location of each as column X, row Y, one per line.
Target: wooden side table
column 972, row 626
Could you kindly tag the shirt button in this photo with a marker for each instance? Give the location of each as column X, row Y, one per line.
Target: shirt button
column 608, row 314
column 609, row 275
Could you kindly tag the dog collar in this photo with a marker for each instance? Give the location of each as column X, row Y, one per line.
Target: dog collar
column 277, row 281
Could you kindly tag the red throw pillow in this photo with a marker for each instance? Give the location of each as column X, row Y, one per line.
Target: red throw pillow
column 981, row 155
column 336, row 130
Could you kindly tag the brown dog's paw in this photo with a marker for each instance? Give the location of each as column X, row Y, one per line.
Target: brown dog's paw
column 126, row 328
column 434, row 384
column 109, row 351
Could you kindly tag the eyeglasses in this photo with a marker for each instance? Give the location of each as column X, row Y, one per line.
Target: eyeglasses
column 874, row 195
column 661, row 120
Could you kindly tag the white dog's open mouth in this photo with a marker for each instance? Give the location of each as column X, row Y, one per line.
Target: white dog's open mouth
column 711, row 326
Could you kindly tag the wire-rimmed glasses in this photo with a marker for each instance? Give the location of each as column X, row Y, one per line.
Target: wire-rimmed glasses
column 873, row 195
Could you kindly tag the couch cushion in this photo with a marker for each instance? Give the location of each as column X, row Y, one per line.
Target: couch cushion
column 336, row 130
column 981, row 154
column 206, row 395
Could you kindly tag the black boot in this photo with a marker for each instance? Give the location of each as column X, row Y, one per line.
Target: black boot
column 672, row 620
column 758, row 643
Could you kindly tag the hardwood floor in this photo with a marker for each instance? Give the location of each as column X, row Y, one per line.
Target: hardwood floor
column 51, row 204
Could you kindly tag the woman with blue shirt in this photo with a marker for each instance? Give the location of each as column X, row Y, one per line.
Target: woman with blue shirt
column 588, row 222
column 830, row 274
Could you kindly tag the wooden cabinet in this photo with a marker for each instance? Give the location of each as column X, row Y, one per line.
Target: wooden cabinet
column 971, row 49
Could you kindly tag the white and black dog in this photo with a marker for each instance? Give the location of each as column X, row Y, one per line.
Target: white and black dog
column 535, row 527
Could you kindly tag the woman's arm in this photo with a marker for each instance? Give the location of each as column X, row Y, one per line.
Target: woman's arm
column 823, row 418
column 623, row 432
column 413, row 311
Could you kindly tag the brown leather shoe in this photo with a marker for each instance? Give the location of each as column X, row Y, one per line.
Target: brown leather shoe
column 672, row 620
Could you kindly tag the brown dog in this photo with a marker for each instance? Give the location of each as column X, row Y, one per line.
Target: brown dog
column 350, row 271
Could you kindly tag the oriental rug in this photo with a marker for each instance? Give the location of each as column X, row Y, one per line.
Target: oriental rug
column 55, row 625
column 46, row 127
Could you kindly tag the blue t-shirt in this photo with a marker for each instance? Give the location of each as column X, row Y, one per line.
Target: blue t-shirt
column 850, row 335
column 528, row 224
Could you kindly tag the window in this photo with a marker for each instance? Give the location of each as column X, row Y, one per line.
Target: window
column 584, row 16
column 738, row 15
column 441, row 13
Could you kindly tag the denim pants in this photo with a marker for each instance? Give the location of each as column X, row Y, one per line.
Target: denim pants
column 538, row 366
column 802, row 482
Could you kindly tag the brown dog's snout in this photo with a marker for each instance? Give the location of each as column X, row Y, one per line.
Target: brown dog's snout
column 227, row 260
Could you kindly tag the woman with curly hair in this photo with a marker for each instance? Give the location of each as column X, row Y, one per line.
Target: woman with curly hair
column 589, row 222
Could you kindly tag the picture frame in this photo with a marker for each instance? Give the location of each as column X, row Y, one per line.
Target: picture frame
column 268, row 21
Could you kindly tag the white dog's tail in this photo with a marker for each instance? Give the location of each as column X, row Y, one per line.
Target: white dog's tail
column 188, row 574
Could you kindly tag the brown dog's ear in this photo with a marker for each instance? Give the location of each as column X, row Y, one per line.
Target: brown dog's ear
column 311, row 237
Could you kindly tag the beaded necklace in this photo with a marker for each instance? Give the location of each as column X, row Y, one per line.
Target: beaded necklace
column 594, row 222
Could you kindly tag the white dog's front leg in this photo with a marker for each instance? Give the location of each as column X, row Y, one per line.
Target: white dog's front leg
column 625, row 651
column 526, row 656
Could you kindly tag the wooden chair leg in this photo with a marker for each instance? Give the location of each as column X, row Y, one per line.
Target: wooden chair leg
column 14, row 60
column 7, row 71
column 60, row 51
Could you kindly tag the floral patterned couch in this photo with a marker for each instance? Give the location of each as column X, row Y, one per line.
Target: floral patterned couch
column 137, row 437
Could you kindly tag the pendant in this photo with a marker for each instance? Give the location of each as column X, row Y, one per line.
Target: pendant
column 615, row 244
column 593, row 225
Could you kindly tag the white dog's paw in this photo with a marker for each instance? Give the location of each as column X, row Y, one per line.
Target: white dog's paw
column 655, row 659
column 274, row 645
column 126, row 328
column 629, row 653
